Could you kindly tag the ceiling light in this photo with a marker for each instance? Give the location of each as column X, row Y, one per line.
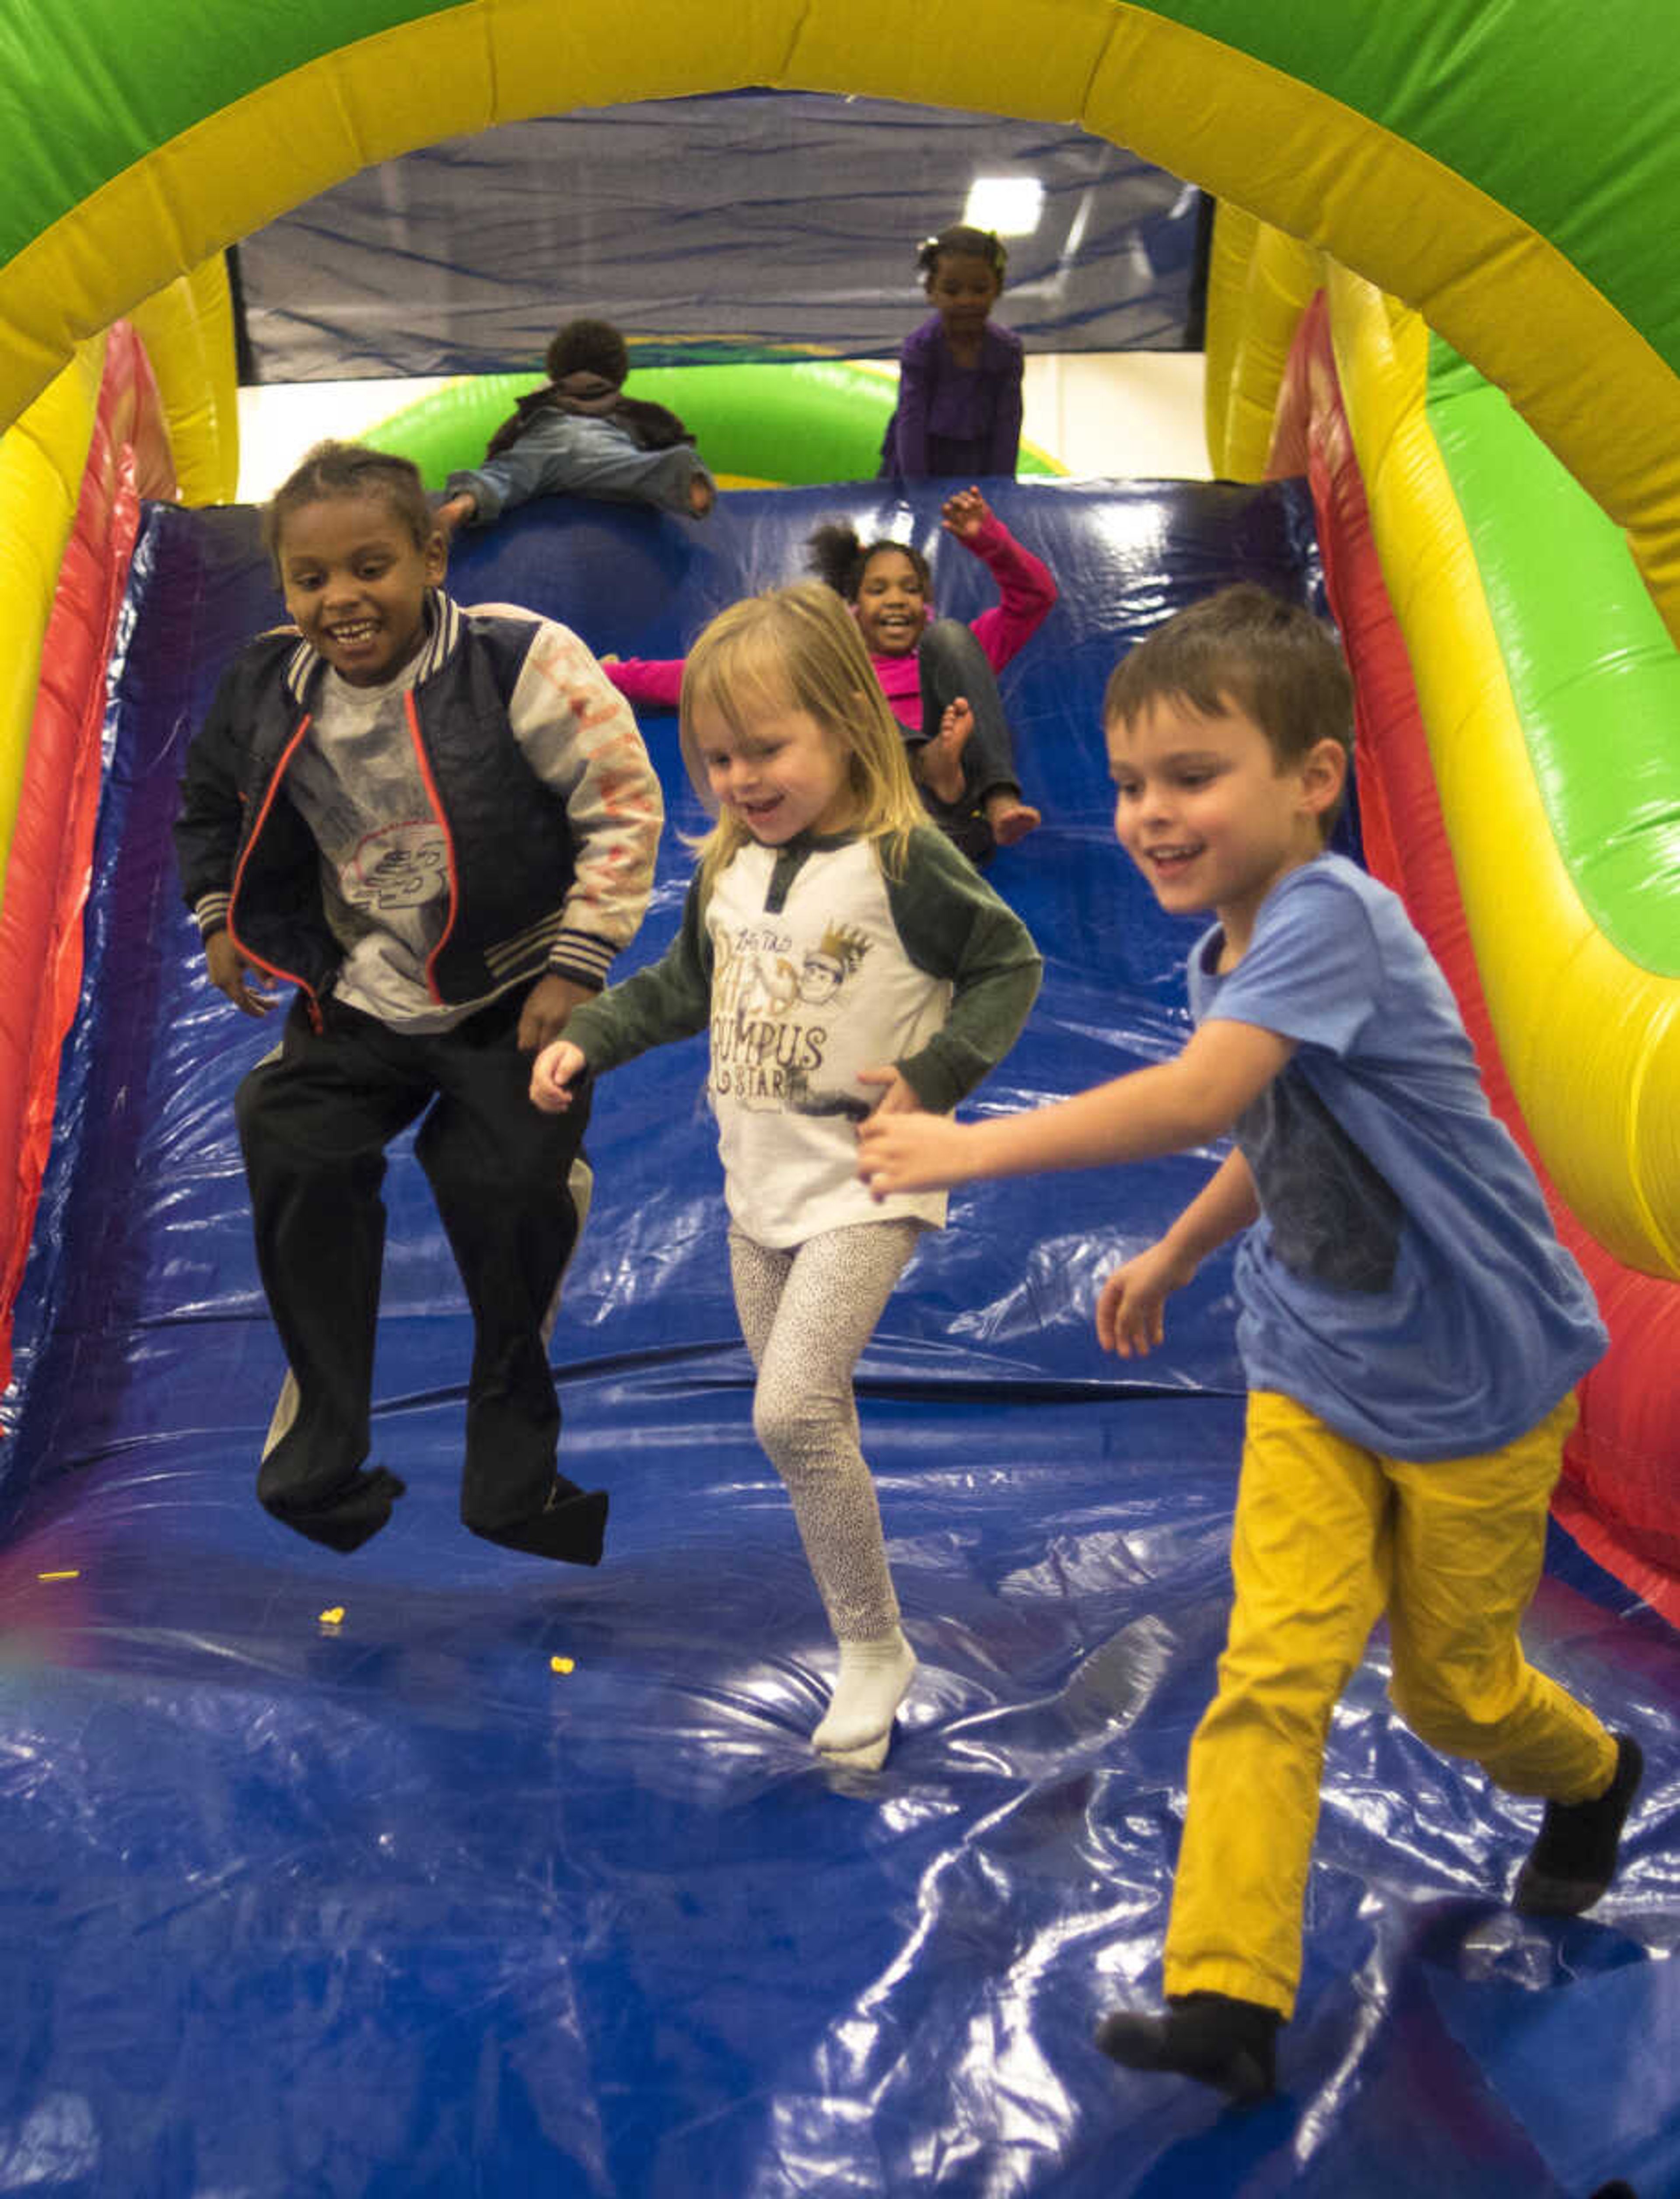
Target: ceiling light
column 1010, row 205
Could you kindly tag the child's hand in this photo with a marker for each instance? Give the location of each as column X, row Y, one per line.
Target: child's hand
column 1129, row 1306
column 910, row 1153
column 454, row 513
column 229, row 973
column 701, row 496
column 898, row 1098
column 964, row 514
column 552, row 1074
column 548, row 1005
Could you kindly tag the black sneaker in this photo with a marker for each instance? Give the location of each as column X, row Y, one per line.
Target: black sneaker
column 1574, row 1859
column 1230, row 2043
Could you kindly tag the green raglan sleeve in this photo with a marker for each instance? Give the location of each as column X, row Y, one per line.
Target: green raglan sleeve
column 670, row 999
column 953, row 925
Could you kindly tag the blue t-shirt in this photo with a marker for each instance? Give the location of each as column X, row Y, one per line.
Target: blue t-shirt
column 1405, row 1282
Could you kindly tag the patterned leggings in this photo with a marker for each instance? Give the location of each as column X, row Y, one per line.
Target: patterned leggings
column 806, row 1314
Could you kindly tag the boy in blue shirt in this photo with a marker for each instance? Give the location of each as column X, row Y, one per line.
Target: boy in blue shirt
column 1411, row 1331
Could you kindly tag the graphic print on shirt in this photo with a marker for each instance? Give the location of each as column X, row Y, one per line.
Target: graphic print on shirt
column 775, row 1014
column 1334, row 1217
column 396, row 866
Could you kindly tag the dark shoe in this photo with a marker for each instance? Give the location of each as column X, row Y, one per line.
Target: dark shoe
column 1230, row 2043
column 1574, row 1859
column 571, row 1527
column 355, row 1513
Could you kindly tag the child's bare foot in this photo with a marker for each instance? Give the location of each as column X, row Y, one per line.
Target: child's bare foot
column 941, row 759
column 1010, row 817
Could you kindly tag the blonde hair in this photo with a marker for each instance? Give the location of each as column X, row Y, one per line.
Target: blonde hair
column 798, row 648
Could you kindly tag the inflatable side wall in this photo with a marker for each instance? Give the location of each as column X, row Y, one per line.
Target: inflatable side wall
column 1518, row 786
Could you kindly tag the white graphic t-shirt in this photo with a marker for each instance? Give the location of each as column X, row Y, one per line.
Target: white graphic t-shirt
column 802, row 998
column 384, row 856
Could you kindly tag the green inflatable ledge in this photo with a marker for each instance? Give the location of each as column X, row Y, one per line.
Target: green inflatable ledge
column 1593, row 673
column 795, row 424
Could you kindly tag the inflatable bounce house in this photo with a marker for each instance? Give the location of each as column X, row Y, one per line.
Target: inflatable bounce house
column 428, row 1872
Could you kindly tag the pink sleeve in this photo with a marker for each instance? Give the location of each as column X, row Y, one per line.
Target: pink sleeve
column 648, row 679
column 1026, row 592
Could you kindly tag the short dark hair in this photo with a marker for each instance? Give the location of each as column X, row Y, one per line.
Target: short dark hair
column 838, row 556
column 589, row 347
column 343, row 470
column 1280, row 666
column 962, row 243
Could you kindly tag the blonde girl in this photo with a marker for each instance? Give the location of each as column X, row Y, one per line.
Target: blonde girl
column 846, row 960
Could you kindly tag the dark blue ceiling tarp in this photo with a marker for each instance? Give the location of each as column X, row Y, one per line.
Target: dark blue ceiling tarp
column 292, row 1909
column 754, row 224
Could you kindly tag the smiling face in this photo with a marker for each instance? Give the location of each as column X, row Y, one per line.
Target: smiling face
column 962, row 290
column 780, row 772
column 892, row 604
column 1210, row 815
column 355, row 582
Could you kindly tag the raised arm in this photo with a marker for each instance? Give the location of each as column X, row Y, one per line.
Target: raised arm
column 1027, row 589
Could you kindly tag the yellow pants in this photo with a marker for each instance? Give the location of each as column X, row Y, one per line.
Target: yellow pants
column 1328, row 1537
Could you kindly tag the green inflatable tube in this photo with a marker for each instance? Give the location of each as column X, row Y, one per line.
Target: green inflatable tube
column 1593, row 673
column 797, row 424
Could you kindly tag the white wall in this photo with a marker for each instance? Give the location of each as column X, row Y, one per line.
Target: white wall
column 1134, row 414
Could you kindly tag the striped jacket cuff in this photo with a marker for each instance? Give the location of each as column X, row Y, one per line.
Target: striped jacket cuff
column 582, row 958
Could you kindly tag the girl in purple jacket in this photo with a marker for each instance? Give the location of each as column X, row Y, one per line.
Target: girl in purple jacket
column 959, row 375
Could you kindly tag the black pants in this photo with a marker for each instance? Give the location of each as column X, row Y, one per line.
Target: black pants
column 314, row 1122
column 951, row 662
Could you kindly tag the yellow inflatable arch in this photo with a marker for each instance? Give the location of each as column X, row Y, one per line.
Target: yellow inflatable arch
column 1512, row 173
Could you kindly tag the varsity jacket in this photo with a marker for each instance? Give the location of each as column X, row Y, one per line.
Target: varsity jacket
column 542, row 876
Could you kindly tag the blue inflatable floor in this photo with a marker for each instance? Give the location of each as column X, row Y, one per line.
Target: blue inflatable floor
column 438, row 1871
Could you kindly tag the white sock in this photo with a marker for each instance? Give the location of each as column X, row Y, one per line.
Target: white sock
column 874, row 1678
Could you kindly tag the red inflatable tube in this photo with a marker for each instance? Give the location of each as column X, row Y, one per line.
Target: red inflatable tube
column 1618, row 1496
column 50, row 863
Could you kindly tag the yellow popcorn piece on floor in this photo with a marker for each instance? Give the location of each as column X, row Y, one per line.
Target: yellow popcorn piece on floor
column 335, row 1617
column 562, row 1664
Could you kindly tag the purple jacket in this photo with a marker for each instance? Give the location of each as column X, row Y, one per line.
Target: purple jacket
column 955, row 421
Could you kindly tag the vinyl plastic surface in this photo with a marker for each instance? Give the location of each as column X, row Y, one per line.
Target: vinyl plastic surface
column 386, row 1903
column 463, row 257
